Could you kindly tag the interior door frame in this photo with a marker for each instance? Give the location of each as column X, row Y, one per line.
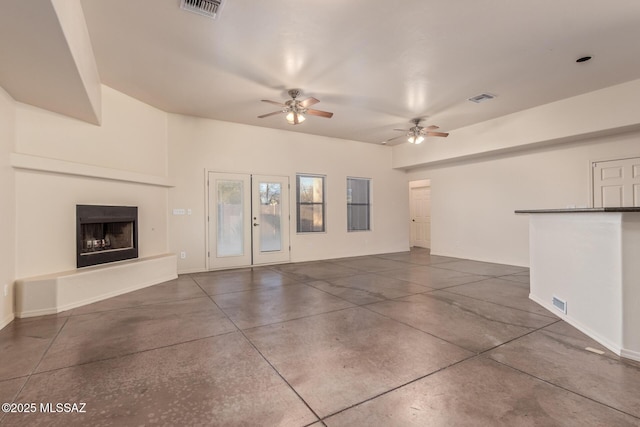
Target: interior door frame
column 284, row 254
column 592, row 166
column 416, row 184
column 208, row 220
column 211, row 223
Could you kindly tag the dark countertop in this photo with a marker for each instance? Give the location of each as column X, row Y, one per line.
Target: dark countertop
column 577, row 210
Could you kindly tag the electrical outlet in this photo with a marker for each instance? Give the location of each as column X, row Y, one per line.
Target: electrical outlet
column 6, row 290
column 183, row 255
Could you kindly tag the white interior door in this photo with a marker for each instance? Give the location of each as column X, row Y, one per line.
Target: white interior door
column 270, row 219
column 420, row 206
column 248, row 220
column 616, row 183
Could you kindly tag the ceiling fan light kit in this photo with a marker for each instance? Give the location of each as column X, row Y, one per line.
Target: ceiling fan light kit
column 294, row 118
column 295, row 109
column 417, row 133
column 416, row 139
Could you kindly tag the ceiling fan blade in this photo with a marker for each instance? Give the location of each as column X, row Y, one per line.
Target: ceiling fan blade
column 320, row 113
column 273, row 102
column 432, row 127
column 393, row 139
column 443, row 134
column 269, row 114
column 402, row 130
column 309, row 102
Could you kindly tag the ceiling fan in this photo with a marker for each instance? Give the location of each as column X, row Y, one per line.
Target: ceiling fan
column 296, row 109
column 417, row 133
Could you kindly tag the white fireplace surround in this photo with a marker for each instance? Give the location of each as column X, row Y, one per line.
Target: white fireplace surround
column 56, row 292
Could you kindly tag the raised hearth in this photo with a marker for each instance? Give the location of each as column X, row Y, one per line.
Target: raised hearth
column 65, row 290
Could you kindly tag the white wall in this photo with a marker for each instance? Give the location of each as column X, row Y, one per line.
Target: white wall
column 132, row 138
column 7, row 207
column 197, row 145
column 473, row 201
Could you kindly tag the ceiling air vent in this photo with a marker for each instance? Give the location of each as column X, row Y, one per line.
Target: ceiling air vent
column 209, row 8
column 481, row 98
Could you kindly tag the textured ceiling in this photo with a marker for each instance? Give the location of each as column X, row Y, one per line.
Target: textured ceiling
column 374, row 64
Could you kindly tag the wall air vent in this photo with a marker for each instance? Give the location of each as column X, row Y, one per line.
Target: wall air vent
column 208, row 8
column 559, row 304
column 481, row 98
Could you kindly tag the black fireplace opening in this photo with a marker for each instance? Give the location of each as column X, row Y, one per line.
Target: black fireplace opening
column 106, row 234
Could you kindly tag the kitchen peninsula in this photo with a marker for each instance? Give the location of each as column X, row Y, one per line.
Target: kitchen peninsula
column 585, row 268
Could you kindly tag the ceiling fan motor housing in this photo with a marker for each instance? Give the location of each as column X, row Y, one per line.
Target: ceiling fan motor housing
column 415, row 131
column 294, row 93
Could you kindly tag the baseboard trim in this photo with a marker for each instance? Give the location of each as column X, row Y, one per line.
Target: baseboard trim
column 630, row 354
column 8, row 319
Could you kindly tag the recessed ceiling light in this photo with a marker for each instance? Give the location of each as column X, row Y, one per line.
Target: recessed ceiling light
column 583, row 59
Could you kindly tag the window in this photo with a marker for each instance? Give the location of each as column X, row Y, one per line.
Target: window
column 310, row 203
column 358, row 204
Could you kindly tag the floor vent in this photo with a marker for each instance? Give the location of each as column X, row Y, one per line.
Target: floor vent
column 208, row 8
column 559, row 304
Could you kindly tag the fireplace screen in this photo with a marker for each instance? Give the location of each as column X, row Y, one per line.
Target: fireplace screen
column 106, row 234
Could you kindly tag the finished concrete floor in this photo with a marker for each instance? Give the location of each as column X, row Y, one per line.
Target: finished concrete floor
column 387, row 340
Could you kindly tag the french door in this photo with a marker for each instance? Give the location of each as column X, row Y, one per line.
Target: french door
column 248, row 220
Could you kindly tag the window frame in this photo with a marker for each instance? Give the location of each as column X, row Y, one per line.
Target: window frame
column 368, row 204
column 323, row 203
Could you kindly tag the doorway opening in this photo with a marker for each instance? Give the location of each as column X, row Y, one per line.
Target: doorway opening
column 248, row 220
column 420, row 213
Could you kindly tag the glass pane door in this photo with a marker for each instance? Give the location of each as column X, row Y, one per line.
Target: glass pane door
column 229, row 220
column 248, row 220
column 230, row 240
column 270, row 219
column 270, row 213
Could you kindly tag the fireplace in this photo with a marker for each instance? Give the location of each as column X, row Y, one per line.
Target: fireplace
column 106, row 234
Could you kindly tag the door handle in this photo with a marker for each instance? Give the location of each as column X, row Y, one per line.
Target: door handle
column 413, row 220
column 255, row 223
